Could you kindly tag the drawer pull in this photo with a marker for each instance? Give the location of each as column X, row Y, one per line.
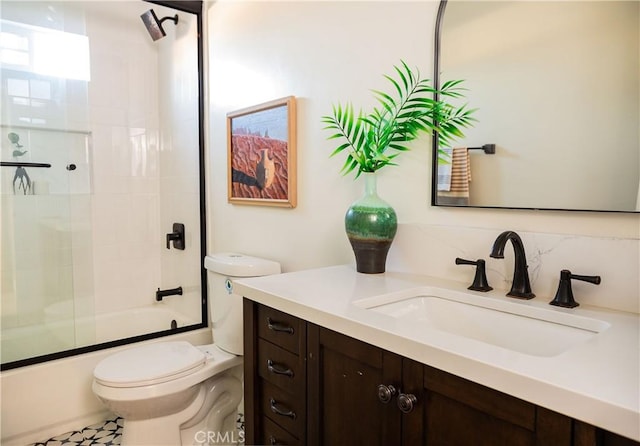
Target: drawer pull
column 278, row 370
column 277, row 326
column 272, row 440
column 278, row 411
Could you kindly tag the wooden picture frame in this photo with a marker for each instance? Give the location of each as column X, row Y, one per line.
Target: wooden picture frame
column 261, row 154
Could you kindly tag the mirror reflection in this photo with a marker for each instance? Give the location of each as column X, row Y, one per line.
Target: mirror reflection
column 557, row 88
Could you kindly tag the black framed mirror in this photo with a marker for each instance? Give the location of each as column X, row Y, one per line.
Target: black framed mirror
column 557, row 87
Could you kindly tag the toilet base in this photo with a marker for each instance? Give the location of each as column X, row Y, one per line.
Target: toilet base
column 209, row 419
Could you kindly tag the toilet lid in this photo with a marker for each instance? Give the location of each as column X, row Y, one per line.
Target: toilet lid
column 149, row 364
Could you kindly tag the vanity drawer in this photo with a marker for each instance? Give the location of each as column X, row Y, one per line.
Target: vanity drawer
column 280, row 367
column 281, row 329
column 285, row 409
column 272, row 434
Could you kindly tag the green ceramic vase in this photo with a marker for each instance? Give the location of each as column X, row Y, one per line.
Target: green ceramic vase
column 371, row 224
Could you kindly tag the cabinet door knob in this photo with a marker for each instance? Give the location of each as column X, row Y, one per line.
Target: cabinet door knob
column 273, row 404
column 386, row 393
column 277, row 326
column 406, row 402
column 278, row 369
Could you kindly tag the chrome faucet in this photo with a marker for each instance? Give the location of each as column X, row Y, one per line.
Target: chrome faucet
column 520, row 286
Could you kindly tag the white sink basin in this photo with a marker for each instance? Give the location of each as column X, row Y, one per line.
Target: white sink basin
column 514, row 325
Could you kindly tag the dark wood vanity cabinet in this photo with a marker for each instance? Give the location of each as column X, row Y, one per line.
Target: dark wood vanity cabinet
column 308, row 385
column 587, row 435
column 343, row 379
column 457, row 411
column 349, row 382
column 275, row 370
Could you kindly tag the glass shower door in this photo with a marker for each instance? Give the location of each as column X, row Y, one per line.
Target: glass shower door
column 45, row 236
column 117, row 115
column 42, row 228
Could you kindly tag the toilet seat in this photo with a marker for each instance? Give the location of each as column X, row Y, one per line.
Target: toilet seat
column 149, row 364
column 216, row 362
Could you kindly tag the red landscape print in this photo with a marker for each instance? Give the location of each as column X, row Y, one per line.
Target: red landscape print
column 261, row 146
column 250, row 152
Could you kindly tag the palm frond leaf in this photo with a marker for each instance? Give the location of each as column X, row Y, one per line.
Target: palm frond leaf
column 373, row 140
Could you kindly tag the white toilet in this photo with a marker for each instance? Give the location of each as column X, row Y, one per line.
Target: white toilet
column 174, row 393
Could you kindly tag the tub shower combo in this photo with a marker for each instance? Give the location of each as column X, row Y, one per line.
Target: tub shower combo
column 102, row 191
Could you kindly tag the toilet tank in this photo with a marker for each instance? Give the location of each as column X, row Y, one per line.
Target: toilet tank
column 225, row 307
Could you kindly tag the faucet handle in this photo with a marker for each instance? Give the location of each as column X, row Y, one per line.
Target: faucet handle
column 480, row 282
column 177, row 237
column 564, row 295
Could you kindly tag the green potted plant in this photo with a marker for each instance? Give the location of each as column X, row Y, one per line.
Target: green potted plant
column 373, row 140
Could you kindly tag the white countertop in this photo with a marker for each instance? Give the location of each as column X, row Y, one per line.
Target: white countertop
column 597, row 381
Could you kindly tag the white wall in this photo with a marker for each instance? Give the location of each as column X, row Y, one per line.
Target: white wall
column 324, row 52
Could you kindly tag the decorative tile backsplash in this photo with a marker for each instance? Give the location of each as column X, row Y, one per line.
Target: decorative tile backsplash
column 432, row 249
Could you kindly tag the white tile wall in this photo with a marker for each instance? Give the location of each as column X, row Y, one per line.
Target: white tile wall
column 138, row 164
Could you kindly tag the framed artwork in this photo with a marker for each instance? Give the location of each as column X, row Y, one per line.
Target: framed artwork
column 261, row 158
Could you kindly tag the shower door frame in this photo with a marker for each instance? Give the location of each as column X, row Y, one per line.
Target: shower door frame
column 196, row 8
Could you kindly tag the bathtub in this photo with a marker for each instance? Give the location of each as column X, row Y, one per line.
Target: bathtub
column 51, row 398
column 59, row 332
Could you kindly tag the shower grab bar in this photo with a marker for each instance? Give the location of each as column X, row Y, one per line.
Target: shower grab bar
column 489, row 149
column 19, row 164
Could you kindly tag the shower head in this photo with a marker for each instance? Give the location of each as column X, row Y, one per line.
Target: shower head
column 154, row 25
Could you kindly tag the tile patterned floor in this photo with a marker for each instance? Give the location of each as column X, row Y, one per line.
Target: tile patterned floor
column 107, row 433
